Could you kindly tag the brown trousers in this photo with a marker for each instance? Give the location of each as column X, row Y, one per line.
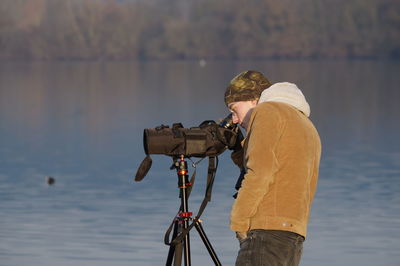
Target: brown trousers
column 270, row 248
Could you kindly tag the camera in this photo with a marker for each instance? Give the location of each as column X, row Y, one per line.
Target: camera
column 207, row 139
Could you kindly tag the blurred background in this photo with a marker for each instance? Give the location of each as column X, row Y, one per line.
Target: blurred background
column 190, row 29
column 81, row 79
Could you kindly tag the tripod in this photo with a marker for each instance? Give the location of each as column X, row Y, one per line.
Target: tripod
column 180, row 236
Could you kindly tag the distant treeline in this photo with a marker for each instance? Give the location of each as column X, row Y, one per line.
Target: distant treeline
column 192, row 29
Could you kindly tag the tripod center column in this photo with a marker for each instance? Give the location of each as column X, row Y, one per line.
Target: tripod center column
column 185, row 214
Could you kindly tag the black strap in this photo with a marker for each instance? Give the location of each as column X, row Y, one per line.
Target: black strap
column 239, row 181
column 212, row 168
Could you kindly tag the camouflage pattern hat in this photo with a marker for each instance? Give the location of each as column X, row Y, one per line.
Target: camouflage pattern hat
column 246, row 86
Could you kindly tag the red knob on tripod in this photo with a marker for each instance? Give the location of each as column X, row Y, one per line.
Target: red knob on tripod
column 185, row 214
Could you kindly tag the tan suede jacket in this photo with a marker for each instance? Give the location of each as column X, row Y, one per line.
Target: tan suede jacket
column 282, row 155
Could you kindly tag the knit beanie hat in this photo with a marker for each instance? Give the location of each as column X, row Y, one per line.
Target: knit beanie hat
column 246, row 86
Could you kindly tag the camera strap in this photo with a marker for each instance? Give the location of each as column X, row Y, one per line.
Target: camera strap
column 212, row 168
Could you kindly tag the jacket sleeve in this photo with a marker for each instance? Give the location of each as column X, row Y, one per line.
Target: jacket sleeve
column 263, row 136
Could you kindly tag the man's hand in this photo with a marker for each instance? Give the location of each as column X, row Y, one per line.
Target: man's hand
column 237, row 158
column 241, row 236
column 238, row 151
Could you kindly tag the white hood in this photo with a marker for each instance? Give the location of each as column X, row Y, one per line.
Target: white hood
column 286, row 92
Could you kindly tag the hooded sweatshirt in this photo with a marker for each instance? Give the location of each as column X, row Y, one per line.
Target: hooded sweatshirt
column 282, row 154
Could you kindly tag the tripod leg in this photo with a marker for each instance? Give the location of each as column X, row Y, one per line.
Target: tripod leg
column 178, row 255
column 186, row 243
column 176, row 251
column 172, row 248
column 207, row 243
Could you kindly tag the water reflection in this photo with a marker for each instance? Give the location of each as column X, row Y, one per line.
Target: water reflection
column 82, row 123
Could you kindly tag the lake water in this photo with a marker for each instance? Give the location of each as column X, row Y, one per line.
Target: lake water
column 82, row 123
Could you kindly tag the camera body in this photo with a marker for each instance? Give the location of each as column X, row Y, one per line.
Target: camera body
column 208, row 139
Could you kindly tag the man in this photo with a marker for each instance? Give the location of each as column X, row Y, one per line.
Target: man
column 281, row 157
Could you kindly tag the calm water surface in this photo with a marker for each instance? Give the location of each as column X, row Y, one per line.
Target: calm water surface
column 82, row 124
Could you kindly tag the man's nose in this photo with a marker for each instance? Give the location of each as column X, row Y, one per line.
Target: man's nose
column 235, row 119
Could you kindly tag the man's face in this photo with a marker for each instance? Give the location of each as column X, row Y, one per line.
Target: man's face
column 241, row 112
